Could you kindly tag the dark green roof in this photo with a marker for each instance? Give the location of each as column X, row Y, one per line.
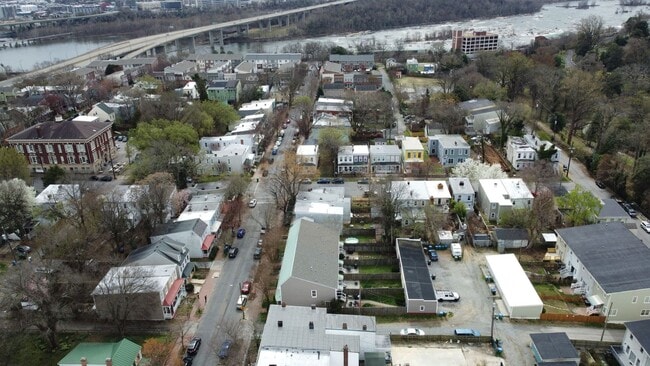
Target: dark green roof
column 122, row 353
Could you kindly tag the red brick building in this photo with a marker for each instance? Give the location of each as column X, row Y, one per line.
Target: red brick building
column 80, row 147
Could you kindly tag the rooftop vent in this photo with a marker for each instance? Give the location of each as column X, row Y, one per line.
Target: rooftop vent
column 311, row 325
column 279, row 323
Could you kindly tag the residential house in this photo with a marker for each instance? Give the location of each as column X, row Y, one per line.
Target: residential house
column 612, row 211
column 462, row 191
column 369, row 81
column 140, row 292
column 522, row 152
column 415, row 195
column 351, row 63
column 231, row 159
column 310, row 265
column 609, row 266
column 79, row 147
column 189, row 91
column 163, row 252
column 328, row 120
column 497, row 197
column 554, row 349
column 194, row 234
column 216, row 143
column 300, row 335
column 103, row 112
column 181, row 71
column 208, row 61
column 331, row 72
column 334, row 107
column 419, row 294
column 206, row 207
column 353, row 159
column 225, row 91
column 86, row 73
column 262, row 106
column 125, row 199
column 472, row 42
column 413, row 153
column 540, row 145
column 265, row 62
column 412, row 65
column 248, row 125
column 324, row 205
column 449, row 149
column 635, row 345
column 511, row 238
column 220, row 71
column 307, row 155
column 122, row 353
column 385, row 159
column 481, row 116
column 143, row 65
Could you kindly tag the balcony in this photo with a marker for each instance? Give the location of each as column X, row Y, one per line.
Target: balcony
column 619, row 354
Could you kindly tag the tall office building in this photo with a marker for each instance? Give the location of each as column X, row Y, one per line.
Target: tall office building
column 470, row 42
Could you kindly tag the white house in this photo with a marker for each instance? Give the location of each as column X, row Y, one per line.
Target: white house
column 271, row 61
column 636, row 343
column 231, row 159
column 262, row 106
column 385, row 159
column 415, row 195
column 353, row 159
column 307, row 155
column 462, row 191
column 481, row 116
column 216, row 143
column 206, row 207
column 519, row 153
column 195, row 234
column 449, row 149
column 189, row 90
column 324, row 205
column 497, row 197
column 103, row 112
column 609, row 266
column 125, row 199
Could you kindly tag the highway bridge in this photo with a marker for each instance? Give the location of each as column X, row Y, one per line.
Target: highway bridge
column 22, row 23
column 149, row 44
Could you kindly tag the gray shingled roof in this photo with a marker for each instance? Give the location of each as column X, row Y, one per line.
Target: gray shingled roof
column 616, row 258
column 352, row 58
column 165, row 251
column 611, row 208
column 415, row 270
column 198, row 226
column 511, row 234
column 64, row 130
column 295, row 333
column 554, row 345
column 641, row 330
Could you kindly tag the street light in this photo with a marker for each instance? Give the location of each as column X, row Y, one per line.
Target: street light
column 494, row 307
column 571, row 151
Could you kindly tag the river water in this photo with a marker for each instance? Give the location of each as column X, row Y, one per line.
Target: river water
column 552, row 20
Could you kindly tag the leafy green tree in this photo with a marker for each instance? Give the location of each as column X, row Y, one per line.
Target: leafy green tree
column 641, row 178
column 338, row 50
column 18, row 202
column 513, row 72
column 178, row 133
column 201, row 87
column 53, row 175
column 194, row 116
column 581, row 207
column 222, row 115
column 460, row 209
column 13, row 164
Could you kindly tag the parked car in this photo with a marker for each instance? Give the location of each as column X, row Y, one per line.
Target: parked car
column 645, row 225
column 257, row 254
column 411, row 331
column 23, row 249
column 274, row 151
column 225, row 349
column 600, row 184
column 305, row 181
column 338, row 181
column 467, row 332
column 241, row 302
column 433, row 255
column 246, row 287
column 260, row 242
column 232, row 253
column 193, row 346
column 252, row 203
column 187, row 360
column 241, row 232
column 94, row 177
column 323, row 181
column 628, row 208
column 106, row 178
column 446, row 295
column 263, row 230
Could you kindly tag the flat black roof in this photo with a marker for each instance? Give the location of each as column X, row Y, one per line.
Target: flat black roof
column 616, row 258
column 554, row 345
column 415, row 270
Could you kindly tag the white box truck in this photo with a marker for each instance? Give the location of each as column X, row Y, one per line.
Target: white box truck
column 456, row 251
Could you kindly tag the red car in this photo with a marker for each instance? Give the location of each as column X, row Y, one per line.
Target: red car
column 246, row 287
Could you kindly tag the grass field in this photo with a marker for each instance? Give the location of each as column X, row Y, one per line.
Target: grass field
column 375, row 269
column 409, row 81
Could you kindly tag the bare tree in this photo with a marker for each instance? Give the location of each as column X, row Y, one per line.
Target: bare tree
column 389, row 197
column 445, row 112
column 284, row 184
column 581, row 92
column 123, row 294
column 232, row 330
column 305, row 105
column 541, row 174
column 590, row 31
column 18, row 201
column 70, row 85
column 155, row 199
column 114, row 215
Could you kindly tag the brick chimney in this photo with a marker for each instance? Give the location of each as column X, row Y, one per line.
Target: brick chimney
column 84, row 361
column 109, row 361
column 345, row 355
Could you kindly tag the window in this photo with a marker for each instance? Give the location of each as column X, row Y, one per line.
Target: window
column 634, row 299
column 408, row 155
column 70, row 159
column 645, row 312
column 33, row 159
column 81, row 148
column 84, row 160
column 314, row 293
column 614, row 312
column 68, row 148
column 30, row 148
column 49, row 148
column 646, row 300
column 421, row 307
column 450, row 161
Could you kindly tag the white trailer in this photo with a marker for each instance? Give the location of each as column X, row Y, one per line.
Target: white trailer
column 456, row 251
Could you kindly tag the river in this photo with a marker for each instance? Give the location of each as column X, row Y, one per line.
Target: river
column 552, row 20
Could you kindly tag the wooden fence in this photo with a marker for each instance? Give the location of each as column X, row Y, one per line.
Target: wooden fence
column 376, row 311
column 572, row 318
column 369, row 248
column 373, row 262
column 350, row 231
column 371, row 276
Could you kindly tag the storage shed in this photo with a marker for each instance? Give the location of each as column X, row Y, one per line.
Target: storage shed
column 511, row 238
column 553, row 348
column 518, row 294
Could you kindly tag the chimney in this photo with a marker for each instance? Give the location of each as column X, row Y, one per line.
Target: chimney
column 109, row 361
column 84, row 361
column 311, row 325
column 279, row 323
column 345, row 355
column 461, row 183
column 38, row 131
column 364, row 327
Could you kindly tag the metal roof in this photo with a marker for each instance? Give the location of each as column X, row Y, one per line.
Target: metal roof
column 554, row 345
column 414, row 270
column 641, row 331
column 616, row 258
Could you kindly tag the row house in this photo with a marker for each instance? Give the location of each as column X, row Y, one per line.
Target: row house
column 351, row 63
column 353, row 159
column 449, row 149
column 209, row 61
column 76, row 146
column 231, row 159
column 500, row 196
column 522, row 152
column 462, row 191
column 385, row 159
column 334, row 107
column 413, row 153
column 217, row 143
column 182, row 71
column 225, row 91
column 272, row 61
column 415, row 195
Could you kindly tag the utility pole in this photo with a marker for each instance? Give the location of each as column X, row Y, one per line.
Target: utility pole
column 494, row 306
column 609, row 311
